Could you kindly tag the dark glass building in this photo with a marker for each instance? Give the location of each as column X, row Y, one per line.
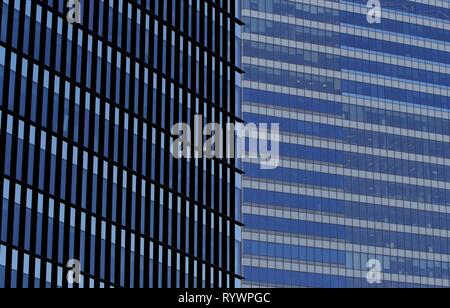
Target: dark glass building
column 361, row 197
column 86, row 170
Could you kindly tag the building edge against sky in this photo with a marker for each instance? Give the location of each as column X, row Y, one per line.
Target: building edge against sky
column 362, row 196
column 88, row 182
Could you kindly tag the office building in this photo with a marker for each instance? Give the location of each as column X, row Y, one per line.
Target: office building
column 89, row 92
column 361, row 197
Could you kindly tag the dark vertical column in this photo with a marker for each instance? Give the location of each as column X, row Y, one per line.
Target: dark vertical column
column 217, row 100
column 201, row 171
column 176, row 171
column 166, row 115
column 184, row 204
column 209, row 183
column 192, row 167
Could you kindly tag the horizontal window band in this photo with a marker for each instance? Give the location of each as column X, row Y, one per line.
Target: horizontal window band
column 357, row 100
column 288, row 188
column 353, row 30
column 360, row 54
column 298, row 240
column 293, row 214
column 268, row 263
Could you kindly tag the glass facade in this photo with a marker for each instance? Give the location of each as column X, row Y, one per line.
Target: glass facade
column 86, row 171
column 364, row 111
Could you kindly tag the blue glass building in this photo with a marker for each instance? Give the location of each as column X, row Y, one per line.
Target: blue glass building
column 364, row 175
column 86, row 170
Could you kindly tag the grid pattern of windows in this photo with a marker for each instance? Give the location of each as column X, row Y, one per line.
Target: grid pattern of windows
column 86, row 171
column 364, row 116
